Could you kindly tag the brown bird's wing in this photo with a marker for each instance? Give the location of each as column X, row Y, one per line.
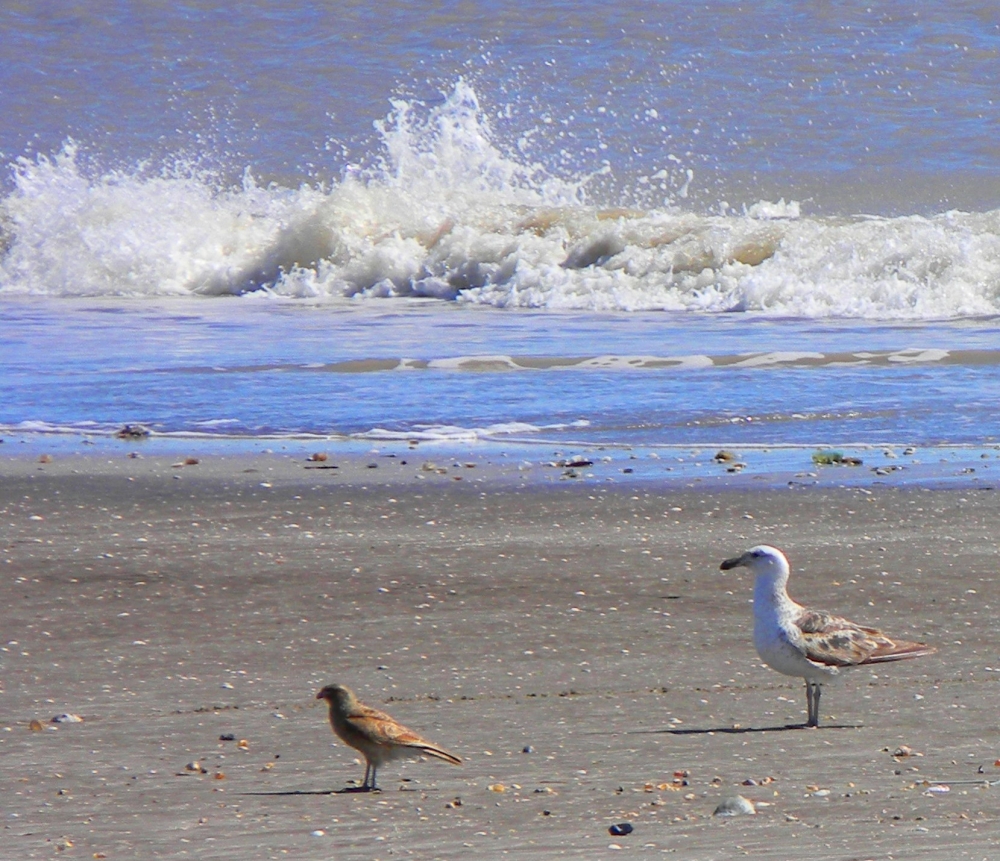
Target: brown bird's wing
column 382, row 729
column 835, row 642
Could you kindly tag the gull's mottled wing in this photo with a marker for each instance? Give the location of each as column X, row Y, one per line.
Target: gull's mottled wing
column 833, row 641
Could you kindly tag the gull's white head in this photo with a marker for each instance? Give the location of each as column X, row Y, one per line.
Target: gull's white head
column 763, row 561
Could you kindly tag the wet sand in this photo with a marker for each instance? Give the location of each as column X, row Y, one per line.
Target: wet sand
column 573, row 641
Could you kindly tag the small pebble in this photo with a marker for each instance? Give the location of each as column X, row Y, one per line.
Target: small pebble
column 621, row 829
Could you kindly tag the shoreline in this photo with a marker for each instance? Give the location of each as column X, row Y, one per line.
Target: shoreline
column 572, row 639
column 718, row 466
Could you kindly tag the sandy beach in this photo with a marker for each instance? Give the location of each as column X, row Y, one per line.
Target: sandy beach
column 573, row 641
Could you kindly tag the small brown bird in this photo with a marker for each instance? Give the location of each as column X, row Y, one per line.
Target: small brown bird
column 378, row 736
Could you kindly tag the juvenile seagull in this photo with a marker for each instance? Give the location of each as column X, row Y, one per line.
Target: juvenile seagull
column 379, row 737
column 797, row 641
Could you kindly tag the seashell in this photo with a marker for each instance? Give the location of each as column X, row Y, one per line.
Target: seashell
column 735, row 805
column 67, row 718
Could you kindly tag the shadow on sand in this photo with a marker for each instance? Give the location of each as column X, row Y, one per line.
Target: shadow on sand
column 739, row 730
column 347, row 790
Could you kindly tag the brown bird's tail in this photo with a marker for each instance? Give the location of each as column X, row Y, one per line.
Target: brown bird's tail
column 436, row 752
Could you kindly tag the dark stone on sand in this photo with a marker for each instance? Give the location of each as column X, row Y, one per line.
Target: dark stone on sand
column 133, row 432
column 621, row 829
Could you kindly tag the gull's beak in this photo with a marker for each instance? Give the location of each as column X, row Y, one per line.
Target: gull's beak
column 735, row 562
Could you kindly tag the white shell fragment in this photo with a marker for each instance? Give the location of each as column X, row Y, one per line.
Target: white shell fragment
column 735, row 805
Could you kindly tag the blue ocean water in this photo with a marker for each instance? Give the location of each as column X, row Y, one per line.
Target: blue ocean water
column 647, row 224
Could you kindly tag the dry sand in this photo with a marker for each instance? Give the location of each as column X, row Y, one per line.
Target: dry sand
column 574, row 641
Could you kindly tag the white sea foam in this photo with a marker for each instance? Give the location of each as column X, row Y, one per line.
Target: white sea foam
column 476, row 363
column 618, row 363
column 451, row 433
column 448, row 214
column 772, row 359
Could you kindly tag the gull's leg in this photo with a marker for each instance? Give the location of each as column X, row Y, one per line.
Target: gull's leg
column 373, row 787
column 813, row 691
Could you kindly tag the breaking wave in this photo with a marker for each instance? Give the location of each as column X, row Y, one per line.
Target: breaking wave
column 446, row 213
